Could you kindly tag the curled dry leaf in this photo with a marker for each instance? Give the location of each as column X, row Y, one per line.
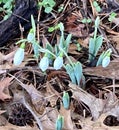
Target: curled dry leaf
column 68, row 124
column 88, row 124
column 4, row 84
column 37, row 97
column 51, row 94
column 14, row 127
column 8, row 57
column 111, row 71
column 49, row 118
column 96, row 105
column 109, row 106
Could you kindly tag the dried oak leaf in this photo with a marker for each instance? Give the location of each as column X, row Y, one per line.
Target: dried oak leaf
column 78, row 30
column 8, row 57
column 4, row 84
column 68, row 124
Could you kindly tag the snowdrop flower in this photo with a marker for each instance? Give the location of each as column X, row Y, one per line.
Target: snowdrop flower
column 59, row 122
column 66, row 100
column 44, row 63
column 106, row 61
column 58, row 63
column 19, row 55
column 30, row 36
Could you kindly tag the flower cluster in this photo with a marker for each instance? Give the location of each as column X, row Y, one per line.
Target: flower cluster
column 19, row 55
column 45, row 62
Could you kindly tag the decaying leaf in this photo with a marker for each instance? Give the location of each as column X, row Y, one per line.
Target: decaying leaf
column 111, row 71
column 4, row 84
column 97, row 106
column 68, row 124
column 8, row 57
column 51, row 94
column 13, row 127
column 88, row 124
column 77, row 30
column 37, row 98
column 49, row 117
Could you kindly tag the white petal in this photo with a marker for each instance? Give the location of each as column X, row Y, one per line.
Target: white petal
column 18, row 57
column 30, row 37
column 106, row 61
column 44, row 63
column 58, row 63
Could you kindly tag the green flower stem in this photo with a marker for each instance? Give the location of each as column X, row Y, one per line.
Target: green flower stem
column 22, row 45
column 95, row 33
column 66, row 56
column 46, row 51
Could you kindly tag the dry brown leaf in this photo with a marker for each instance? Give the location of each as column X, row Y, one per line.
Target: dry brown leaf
column 8, row 57
column 109, row 30
column 37, row 97
column 111, row 71
column 84, row 42
column 51, row 94
column 14, row 127
column 21, row 98
column 2, row 111
column 116, row 21
column 49, row 118
column 96, row 105
column 77, row 30
column 4, row 84
column 68, row 125
column 115, row 38
column 2, row 71
column 44, row 41
column 88, row 124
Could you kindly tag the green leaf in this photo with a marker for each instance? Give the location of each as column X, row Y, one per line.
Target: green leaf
column 51, row 29
column 68, row 40
column 91, row 49
column 84, row 20
column 89, row 20
column 36, row 49
column 33, row 25
column 98, row 9
column 49, row 47
column 97, row 22
column 48, row 9
column 78, row 72
column 66, row 100
column 112, row 16
column 61, row 26
column 95, row 4
column 98, row 44
column 70, row 72
column 59, row 122
column 99, row 62
column 22, row 40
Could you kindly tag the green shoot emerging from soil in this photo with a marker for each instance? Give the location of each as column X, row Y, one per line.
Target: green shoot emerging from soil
column 95, row 43
column 48, row 5
column 53, row 56
column 7, row 8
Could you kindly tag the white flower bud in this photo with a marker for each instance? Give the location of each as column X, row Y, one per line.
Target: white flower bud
column 58, row 63
column 106, row 61
column 18, row 57
column 30, row 36
column 44, row 63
